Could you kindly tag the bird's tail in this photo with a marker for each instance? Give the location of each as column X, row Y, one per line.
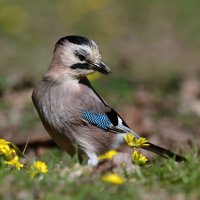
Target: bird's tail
column 164, row 152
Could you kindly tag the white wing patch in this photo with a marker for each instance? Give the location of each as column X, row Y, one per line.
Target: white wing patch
column 120, row 128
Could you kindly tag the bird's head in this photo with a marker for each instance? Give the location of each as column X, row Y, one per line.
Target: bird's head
column 78, row 56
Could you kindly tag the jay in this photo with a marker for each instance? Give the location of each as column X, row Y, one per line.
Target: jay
column 72, row 112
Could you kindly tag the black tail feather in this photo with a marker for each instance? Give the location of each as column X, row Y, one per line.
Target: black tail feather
column 164, row 152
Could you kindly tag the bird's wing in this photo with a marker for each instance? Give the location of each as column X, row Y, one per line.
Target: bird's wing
column 98, row 113
column 109, row 121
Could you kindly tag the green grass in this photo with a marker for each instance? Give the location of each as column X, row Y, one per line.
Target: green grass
column 161, row 179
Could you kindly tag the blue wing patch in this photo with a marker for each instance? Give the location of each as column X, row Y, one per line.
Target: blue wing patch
column 108, row 121
column 99, row 120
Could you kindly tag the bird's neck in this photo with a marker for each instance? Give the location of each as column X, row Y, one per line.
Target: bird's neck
column 84, row 80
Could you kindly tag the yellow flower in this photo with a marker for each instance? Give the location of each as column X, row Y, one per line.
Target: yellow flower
column 138, row 158
column 5, row 149
column 3, row 142
column 113, row 179
column 108, row 155
column 4, row 146
column 10, row 154
column 15, row 163
column 39, row 166
column 133, row 142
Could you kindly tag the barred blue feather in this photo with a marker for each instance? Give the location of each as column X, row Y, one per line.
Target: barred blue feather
column 99, row 120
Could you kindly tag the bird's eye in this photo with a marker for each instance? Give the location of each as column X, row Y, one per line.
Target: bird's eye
column 81, row 57
column 81, row 54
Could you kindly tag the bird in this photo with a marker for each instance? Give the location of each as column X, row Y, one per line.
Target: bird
column 76, row 117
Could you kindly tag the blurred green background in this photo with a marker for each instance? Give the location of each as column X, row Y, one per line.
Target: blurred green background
column 139, row 40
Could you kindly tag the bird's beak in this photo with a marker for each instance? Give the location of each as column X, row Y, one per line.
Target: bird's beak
column 101, row 67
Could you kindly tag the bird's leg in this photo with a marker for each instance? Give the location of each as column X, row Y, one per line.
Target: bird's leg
column 93, row 160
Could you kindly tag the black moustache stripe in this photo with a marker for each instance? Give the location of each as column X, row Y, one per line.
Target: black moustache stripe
column 80, row 66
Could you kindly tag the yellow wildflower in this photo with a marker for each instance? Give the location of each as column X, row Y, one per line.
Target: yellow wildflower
column 108, row 155
column 138, row 158
column 6, row 150
column 4, row 146
column 38, row 167
column 10, row 154
column 3, row 142
column 113, row 179
column 15, row 163
column 133, row 142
